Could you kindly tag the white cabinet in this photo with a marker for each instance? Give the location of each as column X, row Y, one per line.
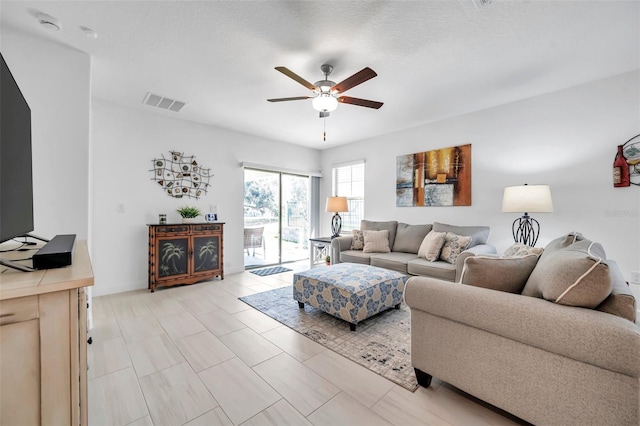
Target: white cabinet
column 43, row 338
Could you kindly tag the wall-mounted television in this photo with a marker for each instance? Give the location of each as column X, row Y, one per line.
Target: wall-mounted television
column 16, row 181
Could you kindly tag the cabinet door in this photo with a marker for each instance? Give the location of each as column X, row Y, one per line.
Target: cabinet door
column 172, row 257
column 20, row 373
column 206, row 253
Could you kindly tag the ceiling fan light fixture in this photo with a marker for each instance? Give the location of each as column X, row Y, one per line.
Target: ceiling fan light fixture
column 324, row 86
column 325, row 102
column 327, row 94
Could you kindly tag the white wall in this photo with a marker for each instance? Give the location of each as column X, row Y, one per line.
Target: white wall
column 124, row 143
column 567, row 139
column 55, row 81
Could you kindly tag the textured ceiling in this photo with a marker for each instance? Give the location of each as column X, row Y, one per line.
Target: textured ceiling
column 434, row 59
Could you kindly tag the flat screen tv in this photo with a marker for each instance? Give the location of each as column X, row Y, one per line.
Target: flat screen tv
column 16, row 181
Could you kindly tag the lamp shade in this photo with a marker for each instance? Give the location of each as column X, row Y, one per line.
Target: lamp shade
column 337, row 204
column 527, row 199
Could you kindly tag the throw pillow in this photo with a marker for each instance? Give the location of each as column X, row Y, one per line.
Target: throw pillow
column 520, row 249
column 577, row 275
column 376, row 241
column 507, row 274
column 453, row 245
column 374, row 225
column 563, row 242
column 357, row 243
column 431, row 246
column 533, row 288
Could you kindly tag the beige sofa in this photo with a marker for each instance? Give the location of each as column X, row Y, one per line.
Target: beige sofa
column 404, row 242
column 541, row 360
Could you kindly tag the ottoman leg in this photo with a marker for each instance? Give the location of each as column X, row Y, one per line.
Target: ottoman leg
column 301, row 305
column 352, row 326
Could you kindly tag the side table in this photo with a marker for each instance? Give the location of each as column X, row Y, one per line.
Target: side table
column 319, row 249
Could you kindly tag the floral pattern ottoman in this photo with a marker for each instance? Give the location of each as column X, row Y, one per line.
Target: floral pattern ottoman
column 349, row 291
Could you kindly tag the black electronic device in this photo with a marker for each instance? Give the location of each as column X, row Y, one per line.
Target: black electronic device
column 16, row 182
column 56, row 253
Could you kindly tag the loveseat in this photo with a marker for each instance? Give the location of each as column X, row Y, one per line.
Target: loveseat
column 556, row 344
column 404, row 243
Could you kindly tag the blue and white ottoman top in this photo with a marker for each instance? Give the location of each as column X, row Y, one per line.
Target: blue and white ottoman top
column 353, row 277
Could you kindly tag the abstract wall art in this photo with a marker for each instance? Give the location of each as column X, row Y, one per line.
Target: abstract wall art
column 180, row 175
column 441, row 177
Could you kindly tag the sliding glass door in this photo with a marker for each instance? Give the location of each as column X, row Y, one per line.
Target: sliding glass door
column 276, row 222
column 261, row 218
column 295, row 217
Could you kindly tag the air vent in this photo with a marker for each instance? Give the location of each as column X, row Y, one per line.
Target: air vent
column 162, row 102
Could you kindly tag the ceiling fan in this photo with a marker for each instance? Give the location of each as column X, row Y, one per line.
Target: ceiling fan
column 327, row 94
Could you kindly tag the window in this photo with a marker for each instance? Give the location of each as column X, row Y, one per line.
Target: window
column 348, row 181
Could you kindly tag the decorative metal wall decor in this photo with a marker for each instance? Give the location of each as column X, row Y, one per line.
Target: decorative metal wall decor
column 626, row 164
column 181, row 176
column 441, row 177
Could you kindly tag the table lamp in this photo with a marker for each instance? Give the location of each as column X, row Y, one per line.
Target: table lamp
column 526, row 199
column 336, row 205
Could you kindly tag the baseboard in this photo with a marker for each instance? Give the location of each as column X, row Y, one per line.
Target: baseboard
column 231, row 271
column 139, row 285
column 99, row 291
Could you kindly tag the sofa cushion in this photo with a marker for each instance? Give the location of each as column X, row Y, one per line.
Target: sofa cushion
column 439, row 269
column 478, row 234
column 355, row 256
column 621, row 301
column 357, row 243
column 376, row 241
column 431, row 246
column 409, row 237
column 563, row 241
column 533, row 288
column 577, row 275
column 372, row 225
column 508, row 274
column 519, row 249
column 396, row 261
column 454, row 244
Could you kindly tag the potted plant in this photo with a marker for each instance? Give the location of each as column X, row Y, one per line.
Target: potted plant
column 328, row 260
column 189, row 214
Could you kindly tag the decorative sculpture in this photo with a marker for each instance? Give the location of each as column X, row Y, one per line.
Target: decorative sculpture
column 181, row 176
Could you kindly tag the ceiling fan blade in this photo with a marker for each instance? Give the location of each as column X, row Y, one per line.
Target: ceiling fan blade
column 286, row 71
column 296, row 98
column 358, row 78
column 360, row 102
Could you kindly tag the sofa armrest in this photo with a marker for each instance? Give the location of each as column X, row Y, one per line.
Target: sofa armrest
column 585, row 335
column 482, row 249
column 339, row 244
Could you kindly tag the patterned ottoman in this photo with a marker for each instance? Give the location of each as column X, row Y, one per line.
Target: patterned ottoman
column 350, row 291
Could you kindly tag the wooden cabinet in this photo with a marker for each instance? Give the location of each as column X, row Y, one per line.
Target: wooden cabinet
column 43, row 344
column 185, row 253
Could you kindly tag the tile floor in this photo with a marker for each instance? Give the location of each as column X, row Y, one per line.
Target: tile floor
column 196, row 355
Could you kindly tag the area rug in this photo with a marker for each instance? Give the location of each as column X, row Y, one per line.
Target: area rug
column 270, row 271
column 380, row 343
